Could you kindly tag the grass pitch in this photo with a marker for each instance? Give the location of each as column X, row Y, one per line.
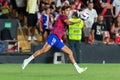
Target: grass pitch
column 59, row 72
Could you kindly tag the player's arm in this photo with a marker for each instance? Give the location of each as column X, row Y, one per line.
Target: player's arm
column 70, row 22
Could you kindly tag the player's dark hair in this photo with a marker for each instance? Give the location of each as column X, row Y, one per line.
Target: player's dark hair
column 65, row 7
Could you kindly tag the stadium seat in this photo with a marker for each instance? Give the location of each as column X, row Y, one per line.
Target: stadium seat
column 12, row 46
column 58, row 58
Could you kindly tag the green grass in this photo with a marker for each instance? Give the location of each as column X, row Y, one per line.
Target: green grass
column 59, row 72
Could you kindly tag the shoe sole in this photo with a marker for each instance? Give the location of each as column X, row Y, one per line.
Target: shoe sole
column 23, row 65
column 83, row 70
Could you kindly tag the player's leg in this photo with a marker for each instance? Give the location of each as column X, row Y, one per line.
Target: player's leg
column 37, row 53
column 70, row 55
column 45, row 48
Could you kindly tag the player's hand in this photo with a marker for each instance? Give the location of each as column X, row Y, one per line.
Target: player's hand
column 78, row 21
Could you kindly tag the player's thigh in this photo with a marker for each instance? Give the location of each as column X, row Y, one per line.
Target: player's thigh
column 46, row 48
column 66, row 50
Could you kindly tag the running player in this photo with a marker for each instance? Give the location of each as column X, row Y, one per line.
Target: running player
column 55, row 39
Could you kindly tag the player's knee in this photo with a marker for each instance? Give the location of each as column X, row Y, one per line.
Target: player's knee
column 70, row 53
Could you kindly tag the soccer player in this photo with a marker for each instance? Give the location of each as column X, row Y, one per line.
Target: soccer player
column 55, row 39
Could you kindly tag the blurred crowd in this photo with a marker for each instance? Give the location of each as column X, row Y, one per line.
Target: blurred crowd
column 101, row 26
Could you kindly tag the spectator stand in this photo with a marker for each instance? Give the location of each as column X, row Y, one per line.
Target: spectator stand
column 12, row 44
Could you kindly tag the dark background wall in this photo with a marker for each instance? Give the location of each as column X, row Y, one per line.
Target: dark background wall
column 11, row 22
column 90, row 54
column 99, row 52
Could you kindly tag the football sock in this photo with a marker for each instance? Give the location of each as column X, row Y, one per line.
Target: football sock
column 30, row 58
column 76, row 66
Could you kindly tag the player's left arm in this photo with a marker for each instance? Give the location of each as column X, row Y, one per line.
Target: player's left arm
column 70, row 22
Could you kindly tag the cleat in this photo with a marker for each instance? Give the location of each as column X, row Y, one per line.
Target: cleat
column 25, row 63
column 81, row 70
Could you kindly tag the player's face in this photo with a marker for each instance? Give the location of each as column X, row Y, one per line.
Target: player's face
column 67, row 11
